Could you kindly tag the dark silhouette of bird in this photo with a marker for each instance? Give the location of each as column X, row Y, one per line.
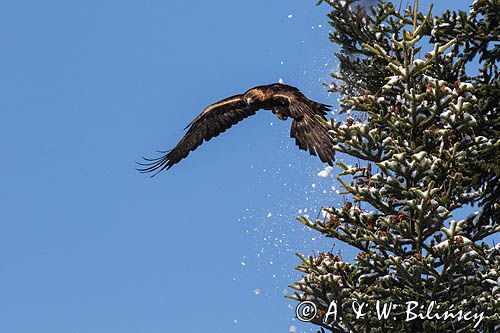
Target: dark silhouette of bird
column 283, row 100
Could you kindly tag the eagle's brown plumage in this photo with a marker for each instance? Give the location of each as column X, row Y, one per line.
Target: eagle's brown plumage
column 284, row 101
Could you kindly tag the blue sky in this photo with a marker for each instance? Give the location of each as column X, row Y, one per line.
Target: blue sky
column 87, row 244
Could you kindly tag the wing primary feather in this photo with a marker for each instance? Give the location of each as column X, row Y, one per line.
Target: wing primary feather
column 312, row 136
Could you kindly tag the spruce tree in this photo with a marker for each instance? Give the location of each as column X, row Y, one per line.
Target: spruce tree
column 421, row 125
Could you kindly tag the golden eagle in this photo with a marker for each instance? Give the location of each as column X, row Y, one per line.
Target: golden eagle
column 283, row 100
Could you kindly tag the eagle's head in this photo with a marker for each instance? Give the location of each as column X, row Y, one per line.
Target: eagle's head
column 254, row 96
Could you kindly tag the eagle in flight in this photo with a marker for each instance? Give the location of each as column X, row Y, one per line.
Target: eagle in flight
column 283, row 100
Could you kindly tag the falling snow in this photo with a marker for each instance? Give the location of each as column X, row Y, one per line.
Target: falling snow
column 325, row 172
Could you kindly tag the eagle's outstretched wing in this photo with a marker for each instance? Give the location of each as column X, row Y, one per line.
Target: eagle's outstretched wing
column 310, row 134
column 307, row 130
column 214, row 120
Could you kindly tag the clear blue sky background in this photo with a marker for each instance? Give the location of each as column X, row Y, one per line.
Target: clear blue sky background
column 87, row 244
